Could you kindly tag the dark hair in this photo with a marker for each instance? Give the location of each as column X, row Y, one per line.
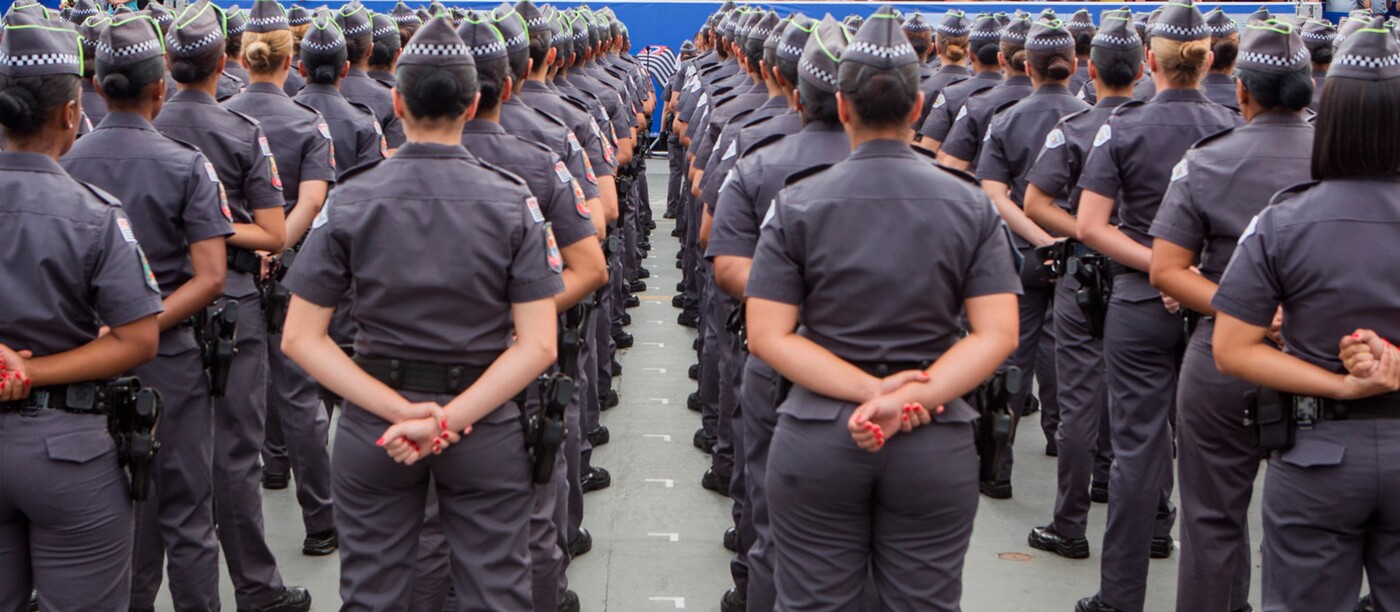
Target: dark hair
column 954, row 47
column 357, row 47
column 491, row 76
column 195, row 69
column 921, row 41
column 1116, row 67
column 519, row 63
column 1052, row 65
column 753, row 50
column 818, row 106
column 382, row 54
column 540, row 44
column 1322, row 54
column 1226, row 50
column 28, row 103
column 233, row 45
column 1015, row 55
column 1083, row 43
column 436, row 92
column 884, row 98
column 406, row 32
column 128, row 82
column 1290, row 91
column 788, row 70
column 985, row 51
column 323, row 68
column 1357, row 132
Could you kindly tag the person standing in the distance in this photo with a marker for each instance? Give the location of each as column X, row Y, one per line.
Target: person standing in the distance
column 851, row 500
column 984, row 44
column 1318, row 36
column 1081, row 439
column 407, row 22
column 1329, row 498
column 298, row 19
column 1014, row 140
column 354, row 129
column 456, row 273
column 1081, row 27
column 1219, row 82
column 301, row 142
column 358, row 30
column 963, row 143
column 242, row 158
column 950, row 46
column 91, row 30
column 235, row 76
column 178, row 213
column 65, row 507
column 1223, row 181
column 387, row 44
column 1131, row 163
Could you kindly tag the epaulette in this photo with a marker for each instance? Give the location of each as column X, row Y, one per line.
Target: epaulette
column 101, row 194
column 575, row 102
column 1075, row 115
column 960, row 174
column 805, row 173
column 1004, row 105
column 310, row 108
column 537, row 145
column 758, row 121
column 184, row 144
column 356, row 170
column 364, row 108
column 506, row 174
column 551, row 118
column 1131, row 104
column 924, row 152
column 1202, row 142
column 1292, row 190
column 719, row 91
column 760, row 144
column 248, row 118
column 232, row 77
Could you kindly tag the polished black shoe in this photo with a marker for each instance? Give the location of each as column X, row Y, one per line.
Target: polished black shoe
column 633, row 301
column 1047, row 539
column 995, row 489
column 643, row 273
column 688, row 320
column 678, row 300
column 695, row 344
column 731, row 539
column 1032, row 406
column 733, row 601
column 692, row 402
column 595, row 479
column 616, row 367
column 637, row 286
column 680, row 286
column 650, row 224
column 676, row 233
column 599, row 436
column 608, row 400
column 624, row 340
column 714, row 482
column 1098, row 492
column 320, row 544
column 669, row 214
column 1366, row 604
column 293, row 599
column 644, row 246
column 275, row 481
column 704, row 441
column 1162, row 547
column 580, row 544
column 1052, row 449
column 626, row 319
column 34, row 601
column 694, row 371
column 1249, row 608
column 1094, row 604
column 680, row 264
column 568, row 602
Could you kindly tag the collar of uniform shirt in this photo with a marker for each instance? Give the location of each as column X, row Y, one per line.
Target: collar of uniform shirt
column 883, row 148
column 1018, row 80
column 194, row 95
column 1051, row 90
column 428, row 150
column 1279, row 118
column 483, row 126
column 265, row 88
column 1172, row 95
column 29, row 162
column 126, row 120
column 322, row 88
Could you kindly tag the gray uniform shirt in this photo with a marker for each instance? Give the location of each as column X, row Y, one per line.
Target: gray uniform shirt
column 946, row 106
column 970, row 125
column 540, row 127
column 355, row 132
column 300, row 137
column 1056, row 170
column 359, row 88
column 934, row 85
column 557, row 194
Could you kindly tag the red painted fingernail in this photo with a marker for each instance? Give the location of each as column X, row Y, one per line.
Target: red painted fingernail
column 1356, row 336
column 444, row 435
column 379, row 442
column 444, row 423
column 906, row 418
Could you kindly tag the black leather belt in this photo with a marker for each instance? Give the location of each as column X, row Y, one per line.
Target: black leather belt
column 881, row 369
column 243, row 260
column 421, row 376
column 1379, row 408
column 76, row 398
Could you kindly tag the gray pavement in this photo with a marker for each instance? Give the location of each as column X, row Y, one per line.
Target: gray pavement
column 657, row 533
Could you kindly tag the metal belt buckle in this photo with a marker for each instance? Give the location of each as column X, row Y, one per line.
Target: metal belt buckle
column 1306, row 410
column 38, row 400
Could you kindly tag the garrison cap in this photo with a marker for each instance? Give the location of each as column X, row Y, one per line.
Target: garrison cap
column 878, row 47
column 563, row 39
column 116, row 10
column 298, row 16
column 1318, row 33
column 1140, row 22
column 31, row 46
column 1181, row 20
column 353, row 19
column 436, row 9
column 437, row 44
column 267, row 16
column 1047, row 15
column 689, row 47
column 82, row 9
column 852, row 23
column 91, row 30
column 512, row 27
column 1016, row 31
column 535, row 20
column 1368, row 54
column 1273, row 46
column 401, row 14
column 1220, row 24
column 762, row 28
column 775, row 37
column 235, row 22
column 1261, row 14
column 1002, row 19
column 794, row 39
column 822, row 55
column 1348, row 27
column 1116, row 31
column 482, row 38
column 1080, row 21
column 129, row 40
column 197, row 29
column 955, row 23
column 323, row 36
column 1049, row 36
column 29, row 6
column 986, row 27
column 385, row 30
column 916, row 25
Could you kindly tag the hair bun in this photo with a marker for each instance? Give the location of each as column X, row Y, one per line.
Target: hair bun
column 17, row 105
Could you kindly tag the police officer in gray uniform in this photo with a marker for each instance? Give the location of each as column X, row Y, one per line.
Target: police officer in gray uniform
column 1132, row 161
column 963, row 143
column 357, row 86
column 1081, row 27
column 734, row 235
column 1219, row 82
column 301, row 142
column 387, row 45
column 91, row 30
column 1081, row 437
column 1221, row 183
column 65, row 506
column 298, row 18
column 243, row 160
column 235, row 77
column 984, row 40
column 1328, row 488
column 420, row 375
column 845, row 503
column 950, row 45
column 354, row 129
column 1318, row 35
column 1013, row 141
column 178, row 213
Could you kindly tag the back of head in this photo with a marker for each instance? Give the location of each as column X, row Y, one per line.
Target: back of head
column 1224, row 40
column 300, row 20
column 1181, row 43
column 1081, row 27
column 39, row 76
column 920, row 34
column 985, row 39
column 235, row 24
column 323, row 50
column 407, row 21
column 437, row 75
column 757, row 34
column 540, row 30
column 386, row 42
column 1319, row 35
column 1116, row 50
column 952, row 36
column 1274, row 66
column 793, row 40
column 268, row 42
column 488, row 49
column 195, row 44
column 1013, row 44
column 355, row 25
column 879, row 73
column 1357, row 132
column 816, row 71
column 517, row 34
column 91, row 30
column 129, row 58
column 1050, row 51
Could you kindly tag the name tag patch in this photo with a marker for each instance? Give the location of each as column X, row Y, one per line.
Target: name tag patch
column 1105, row 134
column 534, row 206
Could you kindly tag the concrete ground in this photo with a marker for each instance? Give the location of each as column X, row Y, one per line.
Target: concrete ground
column 657, row 534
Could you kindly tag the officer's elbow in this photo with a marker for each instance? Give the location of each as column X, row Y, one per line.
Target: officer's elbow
column 598, row 277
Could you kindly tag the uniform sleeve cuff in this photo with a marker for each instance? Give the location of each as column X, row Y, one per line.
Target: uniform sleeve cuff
column 774, row 291
column 133, row 311
column 311, row 291
column 1102, row 188
column 731, row 248
column 535, row 290
column 205, row 231
column 992, row 285
column 1185, row 239
column 1239, row 310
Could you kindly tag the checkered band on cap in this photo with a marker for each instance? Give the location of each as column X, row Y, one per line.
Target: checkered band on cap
column 272, row 22
column 235, row 22
column 38, row 59
column 323, row 36
column 867, row 48
column 1050, row 43
column 1220, row 24
column 435, row 49
column 298, row 16
column 1080, row 21
column 385, row 32
column 1370, row 54
column 1324, row 36
column 986, row 28
column 812, row 70
column 1251, row 57
column 1172, row 30
column 172, row 42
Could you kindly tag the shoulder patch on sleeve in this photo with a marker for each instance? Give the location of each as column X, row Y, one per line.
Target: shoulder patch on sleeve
column 552, row 255
column 146, row 271
column 580, row 203
column 731, row 151
column 962, row 112
column 324, row 216
column 940, row 100
column 1249, row 229
column 534, row 207
column 1105, row 134
column 124, row 226
column 1055, row 139
column 1180, row 170
column 562, row 172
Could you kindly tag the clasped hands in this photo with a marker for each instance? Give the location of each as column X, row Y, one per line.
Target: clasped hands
column 421, row 431
column 1372, row 363
column 886, row 414
column 14, row 374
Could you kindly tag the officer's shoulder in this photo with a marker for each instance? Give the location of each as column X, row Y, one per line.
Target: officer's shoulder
column 184, row 147
column 364, row 108
column 536, row 148
column 1128, row 107
column 246, row 118
column 509, row 176
column 102, row 196
column 920, row 151
column 548, row 117
column 308, row 107
column 761, row 143
column 1206, row 142
column 356, row 171
column 1292, row 192
column 1005, row 105
column 961, row 175
column 1075, row 116
column 758, row 121
column 575, row 102
column 805, row 173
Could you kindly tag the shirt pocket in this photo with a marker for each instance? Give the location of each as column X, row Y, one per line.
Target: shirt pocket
column 1308, row 453
column 79, row 446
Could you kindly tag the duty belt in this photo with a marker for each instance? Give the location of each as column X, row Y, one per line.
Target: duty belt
column 1308, row 409
column 421, row 376
column 881, row 369
column 243, row 260
column 76, row 398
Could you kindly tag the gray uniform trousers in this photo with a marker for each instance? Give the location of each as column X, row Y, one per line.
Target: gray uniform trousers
column 755, row 529
column 838, row 512
column 177, row 519
column 631, row 256
column 579, row 449
column 691, row 257
column 1142, row 342
column 710, row 324
column 298, row 431
column 484, row 496
column 1330, row 511
column 1217, row 461
column 603, row 348
column 65, row 514
column 238, row 439
column 1082, row 435
column 725, row 354
column 731, row 372
column 676, row 159
column 1035, row 354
